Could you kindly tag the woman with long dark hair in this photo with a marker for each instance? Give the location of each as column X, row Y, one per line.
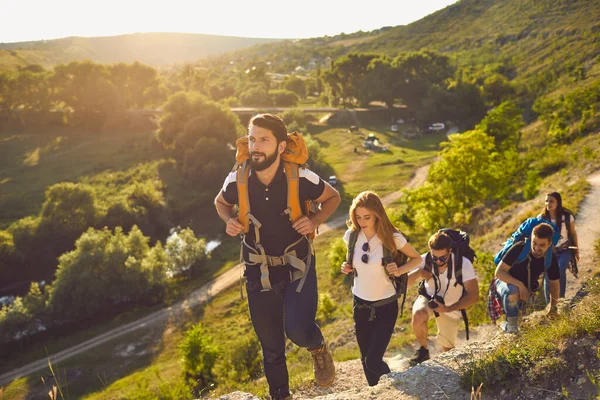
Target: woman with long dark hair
column 370, row 236
column 565, row 221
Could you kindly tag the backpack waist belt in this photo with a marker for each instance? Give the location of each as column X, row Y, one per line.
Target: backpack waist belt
column 300, row 266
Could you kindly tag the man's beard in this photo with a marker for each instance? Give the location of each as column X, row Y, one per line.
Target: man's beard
column 264, row 164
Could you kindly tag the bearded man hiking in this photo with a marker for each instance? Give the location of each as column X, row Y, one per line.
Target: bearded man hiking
column 277, row 248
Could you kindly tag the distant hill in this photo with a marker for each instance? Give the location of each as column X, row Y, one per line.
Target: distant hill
column 529, row 35
column 155, row 49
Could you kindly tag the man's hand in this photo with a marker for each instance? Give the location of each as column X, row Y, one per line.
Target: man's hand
column 524, row 293
column 346, row 268
column 424, row 274
column 234, row 227
column 441, row 308
column 304, row 226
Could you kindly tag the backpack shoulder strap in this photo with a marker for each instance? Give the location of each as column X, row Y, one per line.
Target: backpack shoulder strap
column 292, row 173
column 428, row 262
column 242, row 174
column 458, row 275
column 525, row 252
column 351, row 245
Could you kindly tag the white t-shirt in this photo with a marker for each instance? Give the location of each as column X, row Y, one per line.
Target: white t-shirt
column 451, row 292
column 372, row 282
column 564, row 233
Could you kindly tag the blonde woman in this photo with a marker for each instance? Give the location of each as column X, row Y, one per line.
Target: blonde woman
column 371, row 236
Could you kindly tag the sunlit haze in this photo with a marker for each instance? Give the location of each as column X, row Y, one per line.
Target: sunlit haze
column 42, row 19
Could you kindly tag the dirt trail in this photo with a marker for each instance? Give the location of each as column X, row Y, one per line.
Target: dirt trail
column 438, row 378
column 417, row 180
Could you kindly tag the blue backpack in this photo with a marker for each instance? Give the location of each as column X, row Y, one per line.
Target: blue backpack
column 524, row 233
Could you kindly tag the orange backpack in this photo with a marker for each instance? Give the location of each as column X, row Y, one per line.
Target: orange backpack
column 294, row 156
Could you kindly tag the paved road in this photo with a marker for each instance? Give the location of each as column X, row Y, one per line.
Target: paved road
column 204, row 294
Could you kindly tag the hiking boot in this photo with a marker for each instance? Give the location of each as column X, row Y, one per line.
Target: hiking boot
column 323, row 366
column 510, row 326
column 422, row 354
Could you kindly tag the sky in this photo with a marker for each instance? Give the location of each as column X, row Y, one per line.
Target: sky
column 25, row 20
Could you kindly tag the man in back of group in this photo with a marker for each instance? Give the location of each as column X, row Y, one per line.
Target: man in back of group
column 518, row 279
column 441, row 296
column 279, row 303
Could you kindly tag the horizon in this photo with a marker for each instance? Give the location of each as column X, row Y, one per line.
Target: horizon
column 136, row 17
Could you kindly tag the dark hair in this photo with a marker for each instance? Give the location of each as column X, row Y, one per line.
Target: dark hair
column 559, row 208
column 543, row 231
column 440, row 241
column 271, row 122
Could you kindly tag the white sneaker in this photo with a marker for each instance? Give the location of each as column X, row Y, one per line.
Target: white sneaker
column 509, row 326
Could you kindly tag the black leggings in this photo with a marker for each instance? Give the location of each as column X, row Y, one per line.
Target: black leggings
column 374, row 336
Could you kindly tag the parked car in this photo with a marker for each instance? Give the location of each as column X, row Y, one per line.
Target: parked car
column 333, row 180
column 438, row 126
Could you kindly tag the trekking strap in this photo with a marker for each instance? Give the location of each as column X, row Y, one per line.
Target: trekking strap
column 243, row 199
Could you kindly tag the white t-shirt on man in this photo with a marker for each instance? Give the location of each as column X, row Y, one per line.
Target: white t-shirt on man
column 450, row 291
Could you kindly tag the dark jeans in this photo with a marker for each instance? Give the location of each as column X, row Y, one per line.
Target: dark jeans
column 563, row 257
column 374, row 336
column 280, row 312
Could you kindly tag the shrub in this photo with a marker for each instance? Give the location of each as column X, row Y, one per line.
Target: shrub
column 242, row 362
column 199, row 356
column 326, row 307
column 336, row 256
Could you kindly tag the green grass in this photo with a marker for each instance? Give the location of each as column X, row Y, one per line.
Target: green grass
column 383, row 172
column 29, row 164
column 540, row 350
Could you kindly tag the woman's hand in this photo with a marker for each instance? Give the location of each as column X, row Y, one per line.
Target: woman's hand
column 346, row 268
column 393, row 269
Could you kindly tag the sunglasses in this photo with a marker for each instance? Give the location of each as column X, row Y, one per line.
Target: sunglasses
column 440, row 260
column 366, row 248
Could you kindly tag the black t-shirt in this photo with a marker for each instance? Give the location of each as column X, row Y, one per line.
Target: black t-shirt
column 537, row 266
column 268, row 205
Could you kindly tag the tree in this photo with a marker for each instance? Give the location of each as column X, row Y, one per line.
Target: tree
column 105, row 270
column 470, row 171
column 380, row 82
column 68, row 211
column 8, row 259
column 137, row 85
column 199, row 355
column 86, row 89
column 147, row 205
column 417, row 72
column 207, row 163
column 209, row 119
column 283, row 98
column 256, row 96
column 346, row 74
column 295, row 84
column 497, row 88
column 185, row 251
column 504, row 124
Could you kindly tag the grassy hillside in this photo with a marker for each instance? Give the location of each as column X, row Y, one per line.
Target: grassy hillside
column 155, row 49
column 529, row 36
